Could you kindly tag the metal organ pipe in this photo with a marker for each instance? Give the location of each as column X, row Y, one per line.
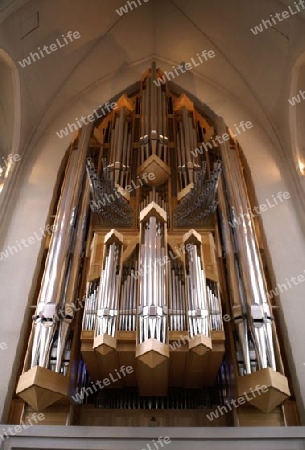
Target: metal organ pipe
column 239, row 310
column 196, row 293
column 214, row 303
column 177, row 300
column 154, row 123
column 152, row 300
column 258, row 309
column 108, row 295
column 89, row 317
column 153, row 96
column 54, row 278
column 128, row 297
column 74, row 276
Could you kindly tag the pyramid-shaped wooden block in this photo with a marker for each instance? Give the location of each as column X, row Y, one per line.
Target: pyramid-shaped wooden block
column 183, row 101
column 40, row 387
column 200, row 344
column 153, row 164
column 153, row 210
column 264, row 389
column 152, row 353
column 125, row 102
column 104, row 344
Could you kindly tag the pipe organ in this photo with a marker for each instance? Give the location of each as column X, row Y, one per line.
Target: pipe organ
column 143, row 236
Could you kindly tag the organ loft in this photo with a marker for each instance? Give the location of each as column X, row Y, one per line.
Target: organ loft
column 149, row 299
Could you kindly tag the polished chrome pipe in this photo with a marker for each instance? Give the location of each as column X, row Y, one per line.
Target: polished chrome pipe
column 54, row 277
column 258, row 310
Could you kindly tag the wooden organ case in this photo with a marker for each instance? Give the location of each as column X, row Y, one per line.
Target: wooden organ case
column 168, row 288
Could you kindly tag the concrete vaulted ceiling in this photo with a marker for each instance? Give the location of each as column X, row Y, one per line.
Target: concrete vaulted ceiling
column 252, row 70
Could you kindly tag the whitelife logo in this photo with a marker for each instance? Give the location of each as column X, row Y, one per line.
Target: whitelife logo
column 95, row 205
column 297, row 99
column 53, row 47
column 275, row 291
column 79, row 397
column 8, row 161
column 159, row 444
column 279, row 17
column 90, row 118
column 187, row 66
column 18, row 428
column 242, row 127
column 238, row 220
column 145, row 269
column 240, row 401
column 125, row 10
column 11, row 250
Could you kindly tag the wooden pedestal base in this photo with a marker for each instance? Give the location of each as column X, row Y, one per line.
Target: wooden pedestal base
column 199, row 348
column 195, row 362
column 107, row 357
column 214, row 358
column 152, row 367
column 40, row 387
column 276, row 391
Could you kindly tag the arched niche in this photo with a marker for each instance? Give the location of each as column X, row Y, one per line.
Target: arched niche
column 38, row 182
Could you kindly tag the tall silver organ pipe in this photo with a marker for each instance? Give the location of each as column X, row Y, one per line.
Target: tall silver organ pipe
column 177, row 298
column 89, row 317
column 186, row 143
column 152, row 267
column 238, row 302
column 198, row 308
column 109, row 289
column 56, row 269
column 120, row 148
column 214, row 302
column 253, row 280
column 128, row 296
column 154, row 128
column 73, row 284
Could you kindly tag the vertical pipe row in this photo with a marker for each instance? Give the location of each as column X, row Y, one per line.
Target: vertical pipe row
column 214, row 302
column 153, row 282
column 177, row 299
column 128, row 297
column 90, row 311
column 108, row 293
column 196, row 293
